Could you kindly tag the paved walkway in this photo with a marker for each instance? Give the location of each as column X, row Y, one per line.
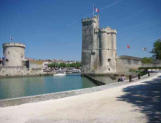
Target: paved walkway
column 137, row 102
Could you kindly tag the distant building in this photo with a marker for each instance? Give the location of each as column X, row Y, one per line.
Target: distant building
column 45, row 65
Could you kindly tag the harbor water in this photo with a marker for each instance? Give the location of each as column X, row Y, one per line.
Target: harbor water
column 28, row 86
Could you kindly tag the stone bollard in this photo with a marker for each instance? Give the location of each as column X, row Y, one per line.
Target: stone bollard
column 130, row 78
column 138, row 76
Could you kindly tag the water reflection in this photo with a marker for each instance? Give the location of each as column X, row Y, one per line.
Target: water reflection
column 27, row 86
column 17, row 87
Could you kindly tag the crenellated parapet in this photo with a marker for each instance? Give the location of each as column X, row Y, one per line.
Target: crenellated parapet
column 13, row 44
column 108, row 30
column 90, row 20
column 14, row 54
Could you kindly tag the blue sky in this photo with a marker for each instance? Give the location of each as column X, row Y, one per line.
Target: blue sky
column 52, row 28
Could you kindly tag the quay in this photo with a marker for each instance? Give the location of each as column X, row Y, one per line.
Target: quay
column 137, row 101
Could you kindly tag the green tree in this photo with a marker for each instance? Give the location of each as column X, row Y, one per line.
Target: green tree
column 157, row 49
column 53, row 65
column 78, row 64
column 67, row 65
column 146, row 60
column 75, row 65
column 62, row 65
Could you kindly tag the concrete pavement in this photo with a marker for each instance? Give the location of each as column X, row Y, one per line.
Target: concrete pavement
column 119, row 104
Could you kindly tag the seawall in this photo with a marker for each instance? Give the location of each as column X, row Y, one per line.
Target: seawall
column 57, row 95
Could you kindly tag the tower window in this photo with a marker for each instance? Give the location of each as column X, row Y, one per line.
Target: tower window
column 109, row 60
column 92, row 53
column 87, row 23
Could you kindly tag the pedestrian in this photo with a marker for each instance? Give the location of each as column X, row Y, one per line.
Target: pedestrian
column 130, row 78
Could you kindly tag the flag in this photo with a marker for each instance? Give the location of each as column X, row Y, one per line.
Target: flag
column 97, row 10
column 128, row 46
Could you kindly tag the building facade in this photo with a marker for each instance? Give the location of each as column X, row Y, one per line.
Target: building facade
column 98, row 48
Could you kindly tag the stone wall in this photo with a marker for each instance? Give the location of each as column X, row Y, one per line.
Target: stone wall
column 125, row 63
column 11, row 71
column 35, row 66
column 19, row 71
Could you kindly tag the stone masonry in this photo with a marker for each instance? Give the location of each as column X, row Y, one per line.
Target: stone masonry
column 98, row 48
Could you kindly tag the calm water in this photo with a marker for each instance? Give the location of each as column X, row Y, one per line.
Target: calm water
column 27, row 86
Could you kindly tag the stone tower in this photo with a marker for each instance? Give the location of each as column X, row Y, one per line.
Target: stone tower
column 98, row 48
column 90, row 46
column 14, row 54
column 108, row 50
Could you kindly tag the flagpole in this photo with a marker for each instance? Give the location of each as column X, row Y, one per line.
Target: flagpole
column 11, row 38
column 93, row 10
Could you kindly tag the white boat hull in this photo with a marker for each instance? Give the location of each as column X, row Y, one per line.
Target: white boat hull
column 59, row 74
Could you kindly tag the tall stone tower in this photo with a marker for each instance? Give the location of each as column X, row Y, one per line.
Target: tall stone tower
column 98, row 48
column 90, row 46
column 14, row 54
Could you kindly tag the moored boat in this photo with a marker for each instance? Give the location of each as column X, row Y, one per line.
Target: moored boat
column 60, row 74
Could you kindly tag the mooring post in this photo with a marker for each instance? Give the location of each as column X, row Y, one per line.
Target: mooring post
column 138, row 76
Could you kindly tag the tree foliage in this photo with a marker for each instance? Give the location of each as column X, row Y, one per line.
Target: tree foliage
column 63, row 65
column 147, row 60
column 157, row 49
column 53, row 65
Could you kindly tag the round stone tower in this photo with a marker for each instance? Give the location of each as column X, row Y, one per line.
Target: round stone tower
column 14, row 54
column 108, row 50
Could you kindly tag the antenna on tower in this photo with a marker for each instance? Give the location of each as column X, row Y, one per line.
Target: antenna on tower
column 11, row 38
